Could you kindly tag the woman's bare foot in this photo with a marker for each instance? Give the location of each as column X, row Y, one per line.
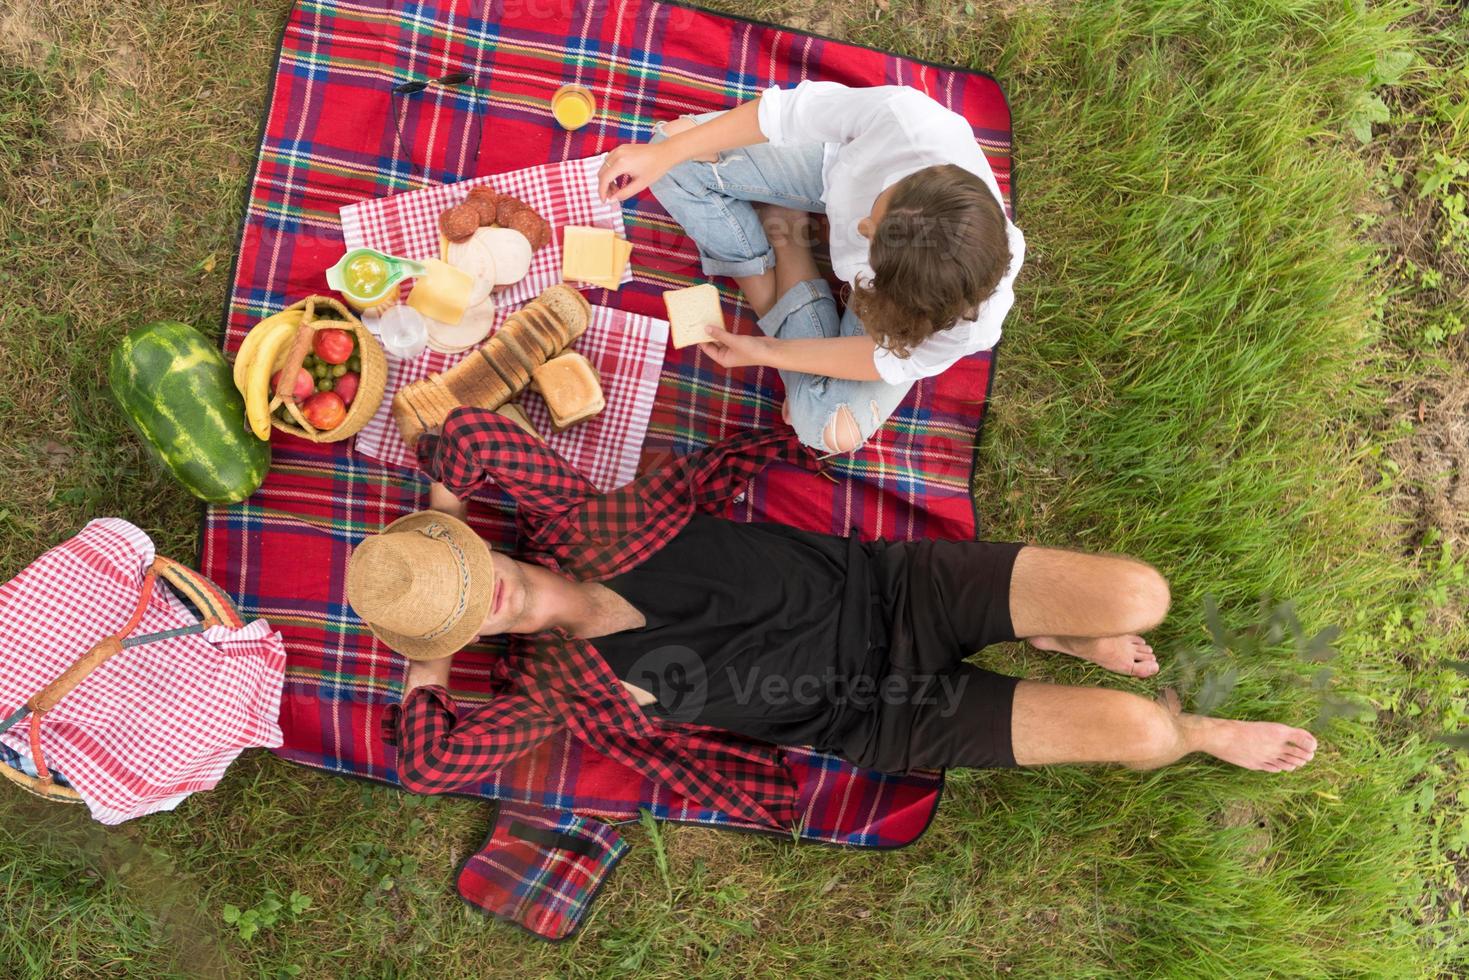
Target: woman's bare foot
column 786, row 227
column 1265, row 746
column 1129, row 654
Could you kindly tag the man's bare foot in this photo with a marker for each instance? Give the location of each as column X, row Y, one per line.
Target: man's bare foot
column 1129, row 654
column 1265, row 746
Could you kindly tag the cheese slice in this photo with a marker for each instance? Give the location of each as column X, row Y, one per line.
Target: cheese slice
column 442, row 293
column 623, row 253
column 588, row 254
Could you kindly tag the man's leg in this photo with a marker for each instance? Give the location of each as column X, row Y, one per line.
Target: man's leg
column 1089, row 606
column 1051, row 724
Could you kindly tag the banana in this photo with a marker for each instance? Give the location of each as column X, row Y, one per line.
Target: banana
column 257, row 377
column 252, row 341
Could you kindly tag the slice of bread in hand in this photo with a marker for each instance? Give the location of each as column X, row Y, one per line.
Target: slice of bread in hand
column 690, row 311
column 571, row 389
column 513, row 413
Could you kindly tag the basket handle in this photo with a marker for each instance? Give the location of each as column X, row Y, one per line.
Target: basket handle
column 214, row 604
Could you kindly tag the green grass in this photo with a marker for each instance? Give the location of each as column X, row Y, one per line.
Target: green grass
column 1201, row 370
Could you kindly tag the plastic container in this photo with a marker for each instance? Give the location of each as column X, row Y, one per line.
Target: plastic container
column 403, row 332
column 369, row 278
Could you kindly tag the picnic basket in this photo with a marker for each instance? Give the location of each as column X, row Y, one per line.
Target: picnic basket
column 371, row 387
column 214, row 609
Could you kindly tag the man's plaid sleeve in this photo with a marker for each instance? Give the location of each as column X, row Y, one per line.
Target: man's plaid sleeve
column 478, row 446
column 442, row 748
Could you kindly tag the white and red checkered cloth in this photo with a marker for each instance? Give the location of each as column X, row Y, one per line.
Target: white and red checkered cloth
column 626, row 348
column 155, row 722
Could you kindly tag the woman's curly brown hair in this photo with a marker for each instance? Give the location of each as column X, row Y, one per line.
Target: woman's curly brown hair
column 938, row 253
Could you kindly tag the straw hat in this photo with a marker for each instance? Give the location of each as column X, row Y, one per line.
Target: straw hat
column 424, row 585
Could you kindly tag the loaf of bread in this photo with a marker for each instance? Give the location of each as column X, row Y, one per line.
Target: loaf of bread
column 504, row 365
column 571, row 389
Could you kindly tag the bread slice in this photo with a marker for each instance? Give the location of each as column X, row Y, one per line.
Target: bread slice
column 568, row 306
column 542, row 317
column 410, row 426
column 571, row 389
column 438, row 398
column 546, row 341
column 514, row 413
column 509, row 366
column 690, row 310
column 515, row 343
column 475, row 383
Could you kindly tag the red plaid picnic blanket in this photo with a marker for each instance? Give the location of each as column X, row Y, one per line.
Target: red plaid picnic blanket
column 330, row 138
column 626, row 348
column 155, row 722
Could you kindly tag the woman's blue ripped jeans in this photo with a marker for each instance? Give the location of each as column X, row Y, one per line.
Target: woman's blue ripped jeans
column 715, row 204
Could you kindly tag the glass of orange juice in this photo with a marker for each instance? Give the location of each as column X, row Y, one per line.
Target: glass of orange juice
column 573, row 106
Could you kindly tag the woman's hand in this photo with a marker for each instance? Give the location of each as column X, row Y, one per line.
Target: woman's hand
column 733, row 350
column 638, row 163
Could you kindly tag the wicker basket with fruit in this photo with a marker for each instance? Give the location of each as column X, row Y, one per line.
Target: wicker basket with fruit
column 326, row 373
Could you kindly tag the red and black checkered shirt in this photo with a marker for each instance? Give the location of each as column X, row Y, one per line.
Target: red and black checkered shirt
column 553, row 680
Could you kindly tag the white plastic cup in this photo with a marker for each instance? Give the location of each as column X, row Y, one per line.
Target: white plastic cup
column 403, row 332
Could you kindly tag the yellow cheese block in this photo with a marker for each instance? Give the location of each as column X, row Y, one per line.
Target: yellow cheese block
column 588, row 254
column 443, row 293
column 624, row 252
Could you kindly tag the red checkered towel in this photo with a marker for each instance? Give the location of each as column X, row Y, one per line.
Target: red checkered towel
column 155, row 722
column 626, row 348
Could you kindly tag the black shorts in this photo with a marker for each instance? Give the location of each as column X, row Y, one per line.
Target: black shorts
column 943, row 601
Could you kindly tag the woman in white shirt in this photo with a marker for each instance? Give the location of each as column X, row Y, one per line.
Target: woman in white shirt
column 918, row 233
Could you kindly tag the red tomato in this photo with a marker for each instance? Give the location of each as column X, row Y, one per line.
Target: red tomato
column 333, row 346
column 346, row 386
column 325, row 410
column 305, row 384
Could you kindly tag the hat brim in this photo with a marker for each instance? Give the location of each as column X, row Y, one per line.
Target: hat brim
column 476, row 608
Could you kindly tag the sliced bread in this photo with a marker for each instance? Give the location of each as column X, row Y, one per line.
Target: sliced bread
column 571, row 389
column 570, row 307
column 690, row 311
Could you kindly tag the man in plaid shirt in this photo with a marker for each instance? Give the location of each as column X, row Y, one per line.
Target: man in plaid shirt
column 690, row 647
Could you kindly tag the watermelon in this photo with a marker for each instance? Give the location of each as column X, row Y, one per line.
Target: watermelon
column 179, row 394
